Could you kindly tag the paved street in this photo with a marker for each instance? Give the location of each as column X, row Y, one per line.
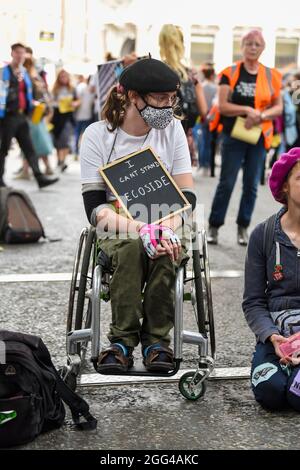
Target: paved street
column 144, row 416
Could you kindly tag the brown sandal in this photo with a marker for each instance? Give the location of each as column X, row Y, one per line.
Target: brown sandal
column 113, row 359
column 158, row 358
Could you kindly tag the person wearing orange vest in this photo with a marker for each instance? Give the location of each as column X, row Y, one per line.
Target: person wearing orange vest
column 251, row 90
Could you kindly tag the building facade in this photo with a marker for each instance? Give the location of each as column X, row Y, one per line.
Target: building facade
column 78, row 33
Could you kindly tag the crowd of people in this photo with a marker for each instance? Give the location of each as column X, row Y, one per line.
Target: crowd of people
column 39, row 118
column 58, row 116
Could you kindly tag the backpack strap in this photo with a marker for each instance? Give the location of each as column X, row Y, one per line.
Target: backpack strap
column 269, row 230
column 78, row 406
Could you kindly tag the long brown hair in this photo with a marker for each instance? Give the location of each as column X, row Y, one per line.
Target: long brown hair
column 114, row 108
column 57, row 85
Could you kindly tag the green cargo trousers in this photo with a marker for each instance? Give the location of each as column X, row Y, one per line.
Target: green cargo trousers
column 146, row 318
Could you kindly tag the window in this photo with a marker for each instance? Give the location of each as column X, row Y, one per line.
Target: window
column 202, row 49
column 286, row 51
column 237, row 49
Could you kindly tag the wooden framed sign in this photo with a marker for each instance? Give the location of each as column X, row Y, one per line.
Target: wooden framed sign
column 143, row 186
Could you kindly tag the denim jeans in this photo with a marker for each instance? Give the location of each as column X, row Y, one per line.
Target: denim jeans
column 236, row 155
column 204, row 146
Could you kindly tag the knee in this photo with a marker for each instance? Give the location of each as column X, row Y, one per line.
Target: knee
column 165, row 267
column 293, row 400
column 129, row 252
column 250, row 189
column 226, row 185
column 269, row 386
column 270, row 395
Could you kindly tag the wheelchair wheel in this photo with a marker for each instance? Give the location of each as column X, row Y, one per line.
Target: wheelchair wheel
column 208, row 294
column 202, row 288
column 191, row 387
column 79, row 311
column 198, row 290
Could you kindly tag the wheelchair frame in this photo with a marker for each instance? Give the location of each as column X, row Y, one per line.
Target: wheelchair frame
column 94, row 288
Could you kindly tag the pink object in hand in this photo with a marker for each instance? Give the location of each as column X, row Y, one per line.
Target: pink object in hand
column 291, row 347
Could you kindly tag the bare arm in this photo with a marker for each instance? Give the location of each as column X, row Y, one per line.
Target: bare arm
column 119, row 224
column 109, row 220
column 201, row 101
column 76, row 103
column 275, row 110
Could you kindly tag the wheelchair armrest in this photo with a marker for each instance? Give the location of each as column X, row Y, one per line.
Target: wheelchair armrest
column 191, row 196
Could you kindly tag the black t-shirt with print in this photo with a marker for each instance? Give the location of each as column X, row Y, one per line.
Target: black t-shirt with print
column 243, row 94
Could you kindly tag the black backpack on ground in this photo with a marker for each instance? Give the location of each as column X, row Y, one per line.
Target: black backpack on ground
column 188, row 102
column 19, row 222
column 32, row 392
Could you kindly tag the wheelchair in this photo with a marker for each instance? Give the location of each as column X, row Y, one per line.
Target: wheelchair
column 90, row 288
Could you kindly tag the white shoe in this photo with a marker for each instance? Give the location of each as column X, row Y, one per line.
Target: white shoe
column 22, row 176
column 242, row 236
column 212, row 235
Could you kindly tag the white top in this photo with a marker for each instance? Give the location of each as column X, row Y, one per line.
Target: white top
column 84, row 112
column 169, row 144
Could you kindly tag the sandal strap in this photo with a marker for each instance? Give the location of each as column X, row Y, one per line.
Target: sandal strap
column 153, row 352
column 116, row 351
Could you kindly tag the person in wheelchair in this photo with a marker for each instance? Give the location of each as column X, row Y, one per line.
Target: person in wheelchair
column 271, row 297
column 139, row 112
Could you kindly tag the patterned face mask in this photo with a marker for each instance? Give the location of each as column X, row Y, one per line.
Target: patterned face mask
column 157, row 118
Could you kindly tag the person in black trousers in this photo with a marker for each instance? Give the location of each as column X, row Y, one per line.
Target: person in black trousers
column 15, row 105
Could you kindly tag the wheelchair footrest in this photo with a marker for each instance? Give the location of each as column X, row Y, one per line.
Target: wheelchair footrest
column 139, row 370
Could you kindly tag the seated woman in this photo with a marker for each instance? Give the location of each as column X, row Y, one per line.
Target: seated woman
column 272, row 297
column 138, row 113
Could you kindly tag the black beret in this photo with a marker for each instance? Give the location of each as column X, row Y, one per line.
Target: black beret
column 149, row 75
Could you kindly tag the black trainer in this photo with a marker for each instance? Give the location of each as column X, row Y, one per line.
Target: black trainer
column 43, row 181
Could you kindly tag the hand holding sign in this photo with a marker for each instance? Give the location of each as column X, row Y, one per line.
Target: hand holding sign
column 153, row 235
column 145, row 189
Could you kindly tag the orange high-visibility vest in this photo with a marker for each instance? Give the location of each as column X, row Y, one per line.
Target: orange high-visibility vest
column 213, row 117
column 268, row 86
